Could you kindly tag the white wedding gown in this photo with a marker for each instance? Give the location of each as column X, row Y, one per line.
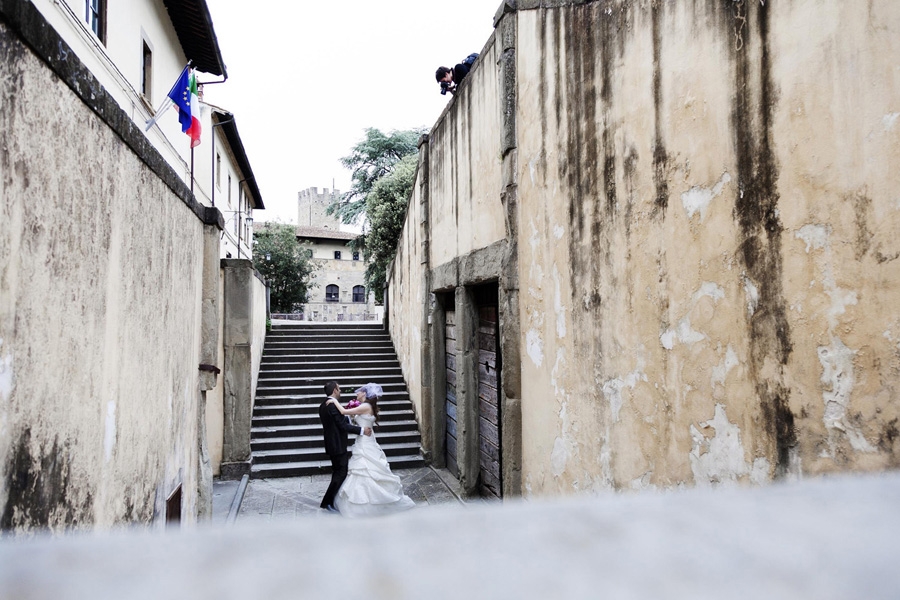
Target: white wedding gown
column 370, row 487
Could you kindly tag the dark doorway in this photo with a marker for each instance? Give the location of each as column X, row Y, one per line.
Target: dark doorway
column 489, row 362
column 450, row 397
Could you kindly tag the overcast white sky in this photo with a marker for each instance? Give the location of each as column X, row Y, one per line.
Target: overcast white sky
column 306, row 77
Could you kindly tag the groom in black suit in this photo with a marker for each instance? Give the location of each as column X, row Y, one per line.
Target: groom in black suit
column 336, row 427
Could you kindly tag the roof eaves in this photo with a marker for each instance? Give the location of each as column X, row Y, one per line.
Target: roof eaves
column 226, row 121
column 194, row 27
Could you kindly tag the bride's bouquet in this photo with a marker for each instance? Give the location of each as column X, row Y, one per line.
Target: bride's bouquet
column 352, row 404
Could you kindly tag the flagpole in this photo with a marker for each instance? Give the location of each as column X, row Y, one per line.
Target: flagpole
column 192, row 169
column 167, row 101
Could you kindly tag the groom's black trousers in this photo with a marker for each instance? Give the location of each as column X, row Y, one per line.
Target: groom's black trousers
column 338, row 475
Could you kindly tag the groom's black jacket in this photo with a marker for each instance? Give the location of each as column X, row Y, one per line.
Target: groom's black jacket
column 336, row 427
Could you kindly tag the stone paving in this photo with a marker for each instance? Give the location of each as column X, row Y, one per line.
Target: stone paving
column 298, row 497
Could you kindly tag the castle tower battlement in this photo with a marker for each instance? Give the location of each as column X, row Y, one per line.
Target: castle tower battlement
column 312, row 206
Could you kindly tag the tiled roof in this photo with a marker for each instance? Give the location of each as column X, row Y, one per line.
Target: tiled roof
column 322, row 232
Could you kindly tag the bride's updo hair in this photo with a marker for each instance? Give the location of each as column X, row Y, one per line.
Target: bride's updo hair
column 373, row 402
column 373, row 395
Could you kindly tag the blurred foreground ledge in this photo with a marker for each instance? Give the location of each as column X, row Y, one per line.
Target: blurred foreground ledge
column 825, row 538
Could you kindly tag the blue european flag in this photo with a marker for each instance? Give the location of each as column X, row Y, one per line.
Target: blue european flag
column 180, row 94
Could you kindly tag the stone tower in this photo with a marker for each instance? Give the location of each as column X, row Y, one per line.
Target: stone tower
column 311, row 206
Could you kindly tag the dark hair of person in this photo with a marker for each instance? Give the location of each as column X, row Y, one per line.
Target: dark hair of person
column 439, row 74
column 373, row 402
column 330, row 387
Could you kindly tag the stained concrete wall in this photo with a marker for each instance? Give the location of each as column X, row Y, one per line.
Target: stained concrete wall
column 406, row 295
column 215, row 399
column 258, row 337
column 243, row 339
column 102, row 300
column 465, row 166
column 242, row 315
column 703, row 224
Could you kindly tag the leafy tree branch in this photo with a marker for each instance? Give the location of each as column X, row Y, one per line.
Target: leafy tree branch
column 285, row 264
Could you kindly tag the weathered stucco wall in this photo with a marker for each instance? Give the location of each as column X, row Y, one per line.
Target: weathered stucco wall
column 465, row 165
column 258, row 310
column 406, row 295
column 708, row 272
column 700, row 211
column 215, row 398
column 100, row 311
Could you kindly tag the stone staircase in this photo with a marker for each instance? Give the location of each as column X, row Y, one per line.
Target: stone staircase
column 286, row 434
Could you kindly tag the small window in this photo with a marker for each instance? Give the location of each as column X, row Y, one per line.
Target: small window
column 332, row 293
column 96, row 18
column 359, row 293
column 218, row 171
column 356, row 256
column 147, row 72
column 337, row 255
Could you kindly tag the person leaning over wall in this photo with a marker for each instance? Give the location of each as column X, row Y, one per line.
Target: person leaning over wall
column 451, row 78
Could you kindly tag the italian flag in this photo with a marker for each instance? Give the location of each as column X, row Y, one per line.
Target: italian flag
column 194, row 129
column 184, row 96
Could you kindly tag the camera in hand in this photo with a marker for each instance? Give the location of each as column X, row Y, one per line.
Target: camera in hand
column 445, row 87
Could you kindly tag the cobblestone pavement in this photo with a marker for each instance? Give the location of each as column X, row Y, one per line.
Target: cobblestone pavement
column 299, row 497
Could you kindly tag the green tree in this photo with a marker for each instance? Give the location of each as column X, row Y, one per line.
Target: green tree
column 371, row 159
column 285, row 264
column 386, row 211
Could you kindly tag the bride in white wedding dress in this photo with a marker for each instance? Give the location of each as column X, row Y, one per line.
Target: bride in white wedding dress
column 370, row 488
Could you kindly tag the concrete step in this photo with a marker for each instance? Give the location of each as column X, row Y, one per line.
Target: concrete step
column 323, row 467
column 365, row 336
column 318, row 453
column 384, row 417
column 306, row 326
column 350, row 344
column 328, row 363
column 283, row 387
column 315, row 429
column 332, row 354
column 355, row 372
column 318, row 377
column 310, row 408
column 315, row 441
column 316, row 398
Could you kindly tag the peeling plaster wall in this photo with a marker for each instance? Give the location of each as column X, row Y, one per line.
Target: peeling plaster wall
column 465, row 164
column 708, row 268
column 708, row 272
column 100, row 316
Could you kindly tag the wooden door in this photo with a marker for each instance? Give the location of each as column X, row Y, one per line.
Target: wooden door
column 450, row 399
column 488, row 401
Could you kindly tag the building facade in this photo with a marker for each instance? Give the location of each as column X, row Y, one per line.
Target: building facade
column 231, row 183
column 338, row 286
